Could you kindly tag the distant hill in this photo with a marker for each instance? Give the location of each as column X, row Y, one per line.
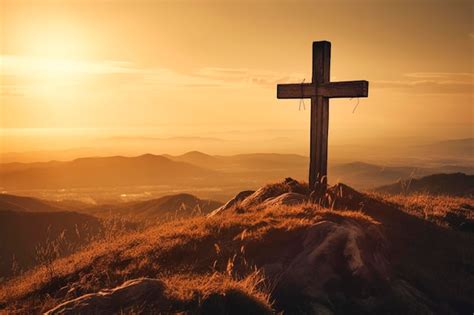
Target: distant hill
column 28, row 204
column 456, row 184
column 367, row 176
column 172, row 206
column 197, row 158
column 101, row 171
column 22, row 232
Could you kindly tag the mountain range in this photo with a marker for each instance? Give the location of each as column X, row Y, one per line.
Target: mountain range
column 100, row 171
column 196, row 169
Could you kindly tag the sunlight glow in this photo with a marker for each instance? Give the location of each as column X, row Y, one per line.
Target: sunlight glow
column 39, row 66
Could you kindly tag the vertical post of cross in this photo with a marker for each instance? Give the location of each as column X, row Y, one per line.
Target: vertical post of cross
column 319, row 118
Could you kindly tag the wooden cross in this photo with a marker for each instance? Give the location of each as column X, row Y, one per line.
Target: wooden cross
column 320, row 90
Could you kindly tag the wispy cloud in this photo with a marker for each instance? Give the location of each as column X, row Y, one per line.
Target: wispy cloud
column 24, row 75
column 432, row 83
column 247, row 76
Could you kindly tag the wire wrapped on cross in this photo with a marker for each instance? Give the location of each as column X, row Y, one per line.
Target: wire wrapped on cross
column 301, row 103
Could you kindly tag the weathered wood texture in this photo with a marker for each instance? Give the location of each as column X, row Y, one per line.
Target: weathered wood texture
column 330, row 89
column 320, row 90
column 303, row 90
column 343, row 89
column 319, row 117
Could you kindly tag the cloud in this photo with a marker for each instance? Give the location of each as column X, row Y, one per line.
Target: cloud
column 32, row 75
column 242, row 76
column 449, row 76
column 432, row 83
column 26, row 75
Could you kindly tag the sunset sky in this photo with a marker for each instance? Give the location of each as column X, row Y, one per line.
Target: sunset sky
column 171, row 76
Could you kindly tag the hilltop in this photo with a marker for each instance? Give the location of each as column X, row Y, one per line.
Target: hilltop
column 270, row 250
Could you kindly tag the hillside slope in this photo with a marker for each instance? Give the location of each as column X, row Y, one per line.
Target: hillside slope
column 23, row 235
column 310, row 260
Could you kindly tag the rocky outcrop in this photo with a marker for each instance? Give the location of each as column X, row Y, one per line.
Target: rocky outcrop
column 232, row 203
column 152, row 296
column 337, row 261
column 288, row 192
column 133, row 292
column 268, row 192
column 287, row 199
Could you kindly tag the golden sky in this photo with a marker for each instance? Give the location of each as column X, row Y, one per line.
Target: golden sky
column 73, row 72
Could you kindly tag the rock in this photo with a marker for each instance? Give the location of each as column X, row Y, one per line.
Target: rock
column 288, row 199
column 271, row 191
column 151, row 296
column 337, row 259
column 288, row 192
column 231, row 203
column 133, row 292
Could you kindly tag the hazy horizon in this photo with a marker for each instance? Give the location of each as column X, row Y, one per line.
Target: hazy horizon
column 367, row 150
column 77, row 74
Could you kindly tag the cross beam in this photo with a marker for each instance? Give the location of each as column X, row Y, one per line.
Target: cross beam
column 320, row 90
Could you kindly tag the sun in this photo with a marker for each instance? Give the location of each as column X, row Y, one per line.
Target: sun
column 58, row 39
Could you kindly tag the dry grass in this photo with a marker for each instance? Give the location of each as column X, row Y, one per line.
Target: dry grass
column 431, row 208
column 230, row 244
column 200, row 257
